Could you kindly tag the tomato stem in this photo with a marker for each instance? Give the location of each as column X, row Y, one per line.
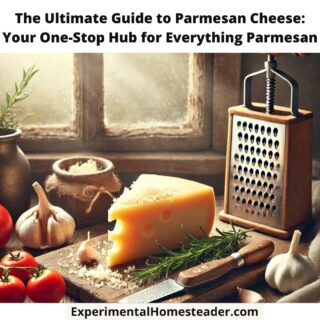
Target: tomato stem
column 5, row 277
column 19, row 268
column 15, row 257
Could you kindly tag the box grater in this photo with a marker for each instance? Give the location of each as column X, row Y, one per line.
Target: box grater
column 269, row 160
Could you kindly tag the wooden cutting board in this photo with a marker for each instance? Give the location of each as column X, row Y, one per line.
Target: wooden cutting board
column 64, row 260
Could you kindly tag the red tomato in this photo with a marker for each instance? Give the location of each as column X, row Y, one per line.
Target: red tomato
column 6, row 226
column 19, row 259
column 49, row 286
column 12, row 290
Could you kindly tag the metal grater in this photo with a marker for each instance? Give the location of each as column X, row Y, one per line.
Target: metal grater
column 256, row 170
column 269, row 156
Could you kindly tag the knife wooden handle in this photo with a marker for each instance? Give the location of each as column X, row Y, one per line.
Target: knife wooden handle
column 255, row 252
column 206, row 272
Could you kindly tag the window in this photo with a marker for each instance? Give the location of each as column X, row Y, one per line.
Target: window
column 157, row 102
column 125, row 102
column 146, row 90
column 50, row 90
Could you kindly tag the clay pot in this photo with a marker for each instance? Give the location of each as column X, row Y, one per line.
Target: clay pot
column 76, row 193
column 15, row 174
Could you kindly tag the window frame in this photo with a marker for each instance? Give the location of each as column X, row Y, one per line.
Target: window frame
column 192, row 136
column 205, row 135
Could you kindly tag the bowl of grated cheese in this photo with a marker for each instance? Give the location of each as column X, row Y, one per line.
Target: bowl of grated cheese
column 84, row 186
column 83, row 168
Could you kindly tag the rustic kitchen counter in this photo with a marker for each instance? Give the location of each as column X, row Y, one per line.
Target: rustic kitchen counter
column 269, row 294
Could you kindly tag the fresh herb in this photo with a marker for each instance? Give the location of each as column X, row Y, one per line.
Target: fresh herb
column 196, row 251
column 8, row 119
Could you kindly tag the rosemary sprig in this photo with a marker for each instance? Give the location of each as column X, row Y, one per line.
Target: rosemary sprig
column 196, row 251
column 7, row 116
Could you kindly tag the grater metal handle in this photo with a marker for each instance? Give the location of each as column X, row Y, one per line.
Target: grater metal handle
column 271, row 72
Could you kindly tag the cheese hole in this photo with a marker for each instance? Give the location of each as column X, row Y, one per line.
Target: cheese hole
column 116, row 232
column 166, row 215
column 148, row 229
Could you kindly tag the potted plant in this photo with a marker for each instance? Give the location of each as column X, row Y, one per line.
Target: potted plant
column 15, row 174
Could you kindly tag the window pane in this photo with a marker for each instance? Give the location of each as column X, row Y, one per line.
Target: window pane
column 146, row 89
column 50, row 91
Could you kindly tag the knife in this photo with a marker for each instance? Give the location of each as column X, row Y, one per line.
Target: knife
column 204, row 273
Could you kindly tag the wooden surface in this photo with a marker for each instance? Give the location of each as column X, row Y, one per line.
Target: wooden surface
column 222, row 289
column 227, row 285
column 204, row 163
column 84, row 290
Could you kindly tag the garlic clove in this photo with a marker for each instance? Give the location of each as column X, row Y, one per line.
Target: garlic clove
column 249, row 296
column 30, row 232
column 55, row 234
column 86, row 253
column 29, row 214
column 272, row 269
column 66, row 222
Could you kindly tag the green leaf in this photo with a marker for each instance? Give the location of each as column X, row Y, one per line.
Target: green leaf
column 195, row 252
column 164, row 249
column 7, row 116
column 8, row 98
column 187, row 233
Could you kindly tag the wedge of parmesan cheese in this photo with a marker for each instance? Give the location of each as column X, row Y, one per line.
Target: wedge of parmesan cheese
column 154, row 209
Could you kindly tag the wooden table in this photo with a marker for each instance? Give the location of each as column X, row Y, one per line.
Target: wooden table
column 269, row 294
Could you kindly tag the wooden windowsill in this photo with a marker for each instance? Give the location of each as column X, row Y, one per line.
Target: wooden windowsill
column 195, row 163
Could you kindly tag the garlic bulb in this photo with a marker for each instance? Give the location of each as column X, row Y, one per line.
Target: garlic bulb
column 86, row 253
column 290, row 271
column 44, row 225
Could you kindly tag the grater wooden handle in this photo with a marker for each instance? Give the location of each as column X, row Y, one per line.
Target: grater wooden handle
column 207, row 272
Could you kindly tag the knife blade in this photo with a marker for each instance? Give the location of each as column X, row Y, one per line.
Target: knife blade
column 204, row 273
column 154, row 293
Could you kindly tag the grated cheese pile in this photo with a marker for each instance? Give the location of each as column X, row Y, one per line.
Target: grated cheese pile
column 90, row 166
column 99, row 275
column 147, row 189
column 103, row 276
